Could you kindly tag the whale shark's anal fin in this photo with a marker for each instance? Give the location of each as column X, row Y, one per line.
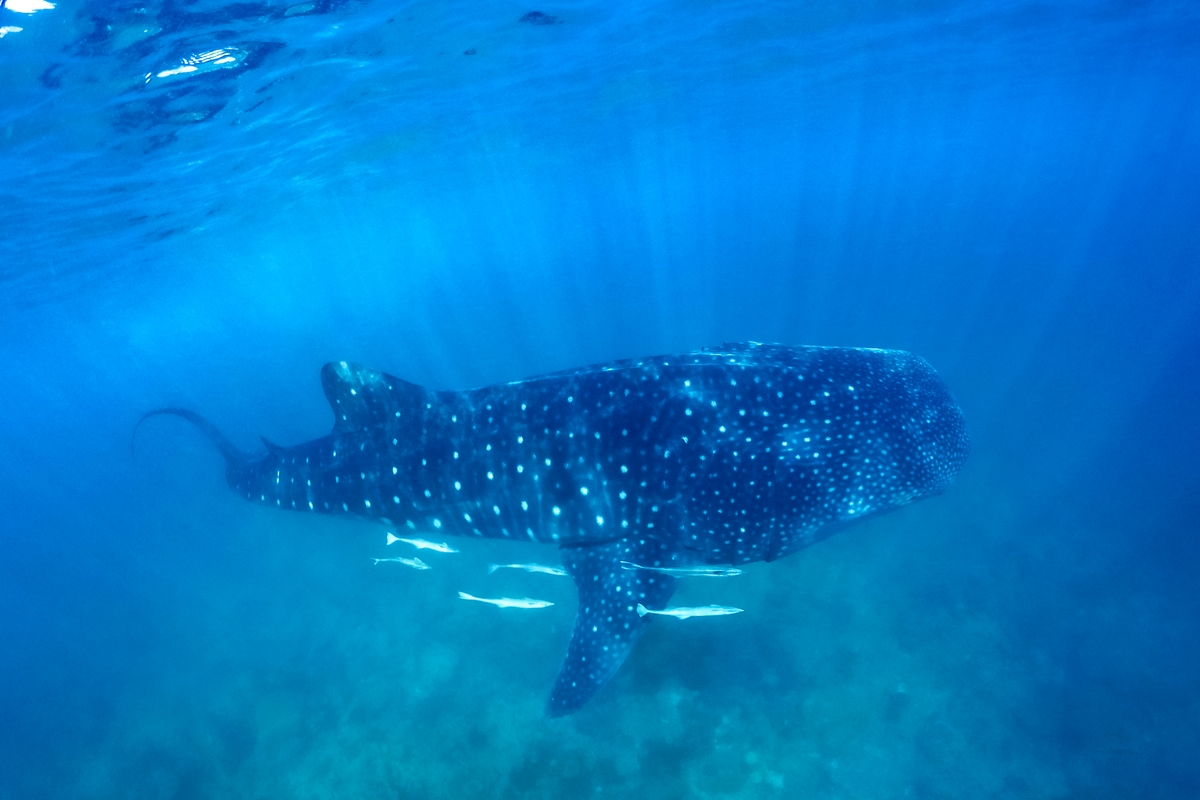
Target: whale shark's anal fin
column 607, row 623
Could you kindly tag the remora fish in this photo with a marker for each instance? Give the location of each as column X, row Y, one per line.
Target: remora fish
column 507, row 602
column 422, row 544
column 683, row 612
column 528, row 568
column 415, row 563
column 727, row 456
column 688, row 572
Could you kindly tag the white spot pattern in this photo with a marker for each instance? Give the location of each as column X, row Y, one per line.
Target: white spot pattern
column 743, row 453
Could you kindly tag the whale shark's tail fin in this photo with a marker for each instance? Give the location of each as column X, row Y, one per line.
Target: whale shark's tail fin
column 233, row 456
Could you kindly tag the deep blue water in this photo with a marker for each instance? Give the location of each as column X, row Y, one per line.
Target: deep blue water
column 1010, row 190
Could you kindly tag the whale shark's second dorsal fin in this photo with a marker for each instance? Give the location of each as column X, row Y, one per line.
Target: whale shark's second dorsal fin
column 364, row 398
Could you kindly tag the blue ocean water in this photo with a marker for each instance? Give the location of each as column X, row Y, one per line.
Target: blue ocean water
column 204, row 202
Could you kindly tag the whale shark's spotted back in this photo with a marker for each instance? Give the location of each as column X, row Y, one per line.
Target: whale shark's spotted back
column 738, row 454
column 815, row 438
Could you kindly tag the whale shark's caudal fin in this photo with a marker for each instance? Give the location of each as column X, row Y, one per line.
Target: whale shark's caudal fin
column 233, row 456
column 607, row 623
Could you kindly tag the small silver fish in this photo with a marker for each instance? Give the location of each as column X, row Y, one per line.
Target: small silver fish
column 528, row 568
column 683, row 612
column 415, row 563
column 688, row 572
column 421, row 544
column 507, row 602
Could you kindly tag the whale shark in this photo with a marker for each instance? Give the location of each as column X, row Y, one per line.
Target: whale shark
column 741, row 453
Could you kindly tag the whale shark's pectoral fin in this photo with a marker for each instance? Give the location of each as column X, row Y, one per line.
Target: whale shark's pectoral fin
column 607, row 623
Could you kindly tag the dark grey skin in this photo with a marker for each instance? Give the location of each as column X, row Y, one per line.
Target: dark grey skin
column 742, row 453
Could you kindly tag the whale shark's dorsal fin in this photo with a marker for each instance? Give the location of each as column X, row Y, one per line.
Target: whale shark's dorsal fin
column 607, row 623
column 364, row 398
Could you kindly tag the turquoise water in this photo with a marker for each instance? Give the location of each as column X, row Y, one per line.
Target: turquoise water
column 461, row 198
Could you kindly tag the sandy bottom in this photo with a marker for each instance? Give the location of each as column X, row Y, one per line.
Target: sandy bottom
column 943, row 651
